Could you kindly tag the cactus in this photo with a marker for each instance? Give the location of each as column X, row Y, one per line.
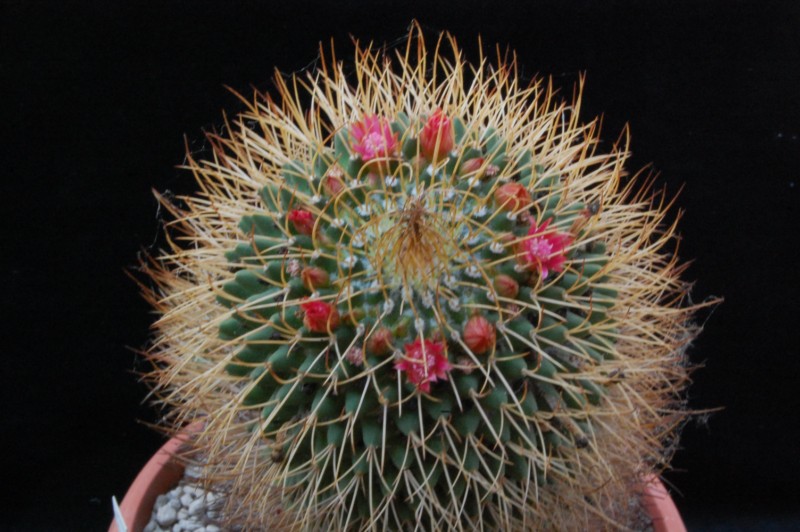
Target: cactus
column 420, row 297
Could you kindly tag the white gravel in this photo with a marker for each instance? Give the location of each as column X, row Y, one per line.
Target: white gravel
column 186, row 508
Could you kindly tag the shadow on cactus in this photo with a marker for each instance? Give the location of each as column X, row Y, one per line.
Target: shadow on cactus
column 418, row 296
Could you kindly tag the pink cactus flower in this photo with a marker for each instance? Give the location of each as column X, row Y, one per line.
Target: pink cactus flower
column 424, row 362
column 373, row 138
column 303, row 221
column 545, row 250
column 319, row 316
column 437, row 130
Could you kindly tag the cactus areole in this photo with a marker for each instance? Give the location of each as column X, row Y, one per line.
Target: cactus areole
column 418, row 295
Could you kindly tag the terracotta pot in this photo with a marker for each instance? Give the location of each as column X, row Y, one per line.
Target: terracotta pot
column 162, row 473
column 661, row 508
column 159, row 475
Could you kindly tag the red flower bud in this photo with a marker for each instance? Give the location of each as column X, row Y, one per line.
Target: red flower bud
column 506, row 286
column 512, row 197
column 333, row 182
column 319, row 316
column 472, row 165
column 303, row 221
column 380, row 341
column 479, row 335
column 436, row 138
column 314, row 277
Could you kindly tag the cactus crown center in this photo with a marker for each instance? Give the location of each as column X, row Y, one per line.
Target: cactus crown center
column 415, row 246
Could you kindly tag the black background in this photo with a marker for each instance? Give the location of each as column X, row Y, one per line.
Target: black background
column 97, row 97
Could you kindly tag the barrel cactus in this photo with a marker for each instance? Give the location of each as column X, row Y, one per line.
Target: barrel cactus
column 416, row 295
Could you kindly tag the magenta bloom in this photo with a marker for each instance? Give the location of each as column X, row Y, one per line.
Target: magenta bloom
column 424, row 368
column 543, row 250
column 373, row 138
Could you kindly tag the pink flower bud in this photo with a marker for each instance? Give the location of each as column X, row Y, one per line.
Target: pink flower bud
column 479, row 335
column 506, row 286
column 319, row 316
column 512, row 197
column 302, row 220
column 314, row 277
column 436, row 138
column 380, row 341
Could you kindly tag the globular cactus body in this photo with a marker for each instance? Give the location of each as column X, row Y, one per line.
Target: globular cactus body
column 423, row 301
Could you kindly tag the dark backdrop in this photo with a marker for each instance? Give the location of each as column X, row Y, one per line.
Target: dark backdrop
column 98, row 96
